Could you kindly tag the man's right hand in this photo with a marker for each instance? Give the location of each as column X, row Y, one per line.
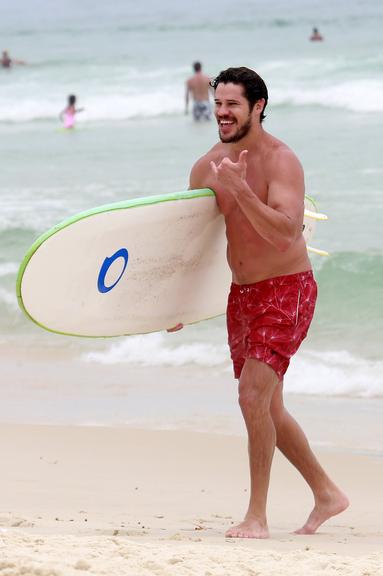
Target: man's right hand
column 230, row 174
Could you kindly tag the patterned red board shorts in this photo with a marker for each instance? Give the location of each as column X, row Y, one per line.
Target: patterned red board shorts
column 268, row 320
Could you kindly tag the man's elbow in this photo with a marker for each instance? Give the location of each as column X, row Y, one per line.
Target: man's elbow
column 284, row 241
column 282, row 244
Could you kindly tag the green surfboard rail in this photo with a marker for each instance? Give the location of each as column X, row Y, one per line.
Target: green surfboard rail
column 133, row 203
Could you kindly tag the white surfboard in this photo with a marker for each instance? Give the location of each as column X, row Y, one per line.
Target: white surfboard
column 133, row 267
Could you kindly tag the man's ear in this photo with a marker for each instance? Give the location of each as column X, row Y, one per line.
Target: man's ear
column 259, row 106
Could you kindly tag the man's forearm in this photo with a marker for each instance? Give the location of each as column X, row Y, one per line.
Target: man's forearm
column 274, row 226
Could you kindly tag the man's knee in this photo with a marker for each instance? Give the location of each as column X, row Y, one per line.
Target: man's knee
column 256, row 385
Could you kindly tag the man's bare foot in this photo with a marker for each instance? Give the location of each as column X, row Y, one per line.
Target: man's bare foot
column 324, row 509
column 250, row 528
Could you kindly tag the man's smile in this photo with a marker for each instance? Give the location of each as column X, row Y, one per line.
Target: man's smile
column 225, row 124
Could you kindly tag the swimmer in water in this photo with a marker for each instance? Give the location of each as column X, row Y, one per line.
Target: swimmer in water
column 316, row 36
column 68, row 115
column 7, row 62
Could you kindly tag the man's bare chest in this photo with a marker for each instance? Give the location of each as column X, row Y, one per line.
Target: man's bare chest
column 258, row 183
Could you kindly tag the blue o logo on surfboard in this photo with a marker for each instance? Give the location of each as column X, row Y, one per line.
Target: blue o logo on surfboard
column 101, row 285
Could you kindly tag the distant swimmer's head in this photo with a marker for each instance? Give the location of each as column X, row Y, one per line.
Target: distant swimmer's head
column 254, row 87
column 5, row 59
column 71, row 100
column 316, row 35
column 197, row 66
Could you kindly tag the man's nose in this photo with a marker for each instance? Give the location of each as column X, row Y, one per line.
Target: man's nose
column 222, row 110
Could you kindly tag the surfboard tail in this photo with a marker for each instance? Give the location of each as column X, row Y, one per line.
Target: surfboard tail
column 318, row 251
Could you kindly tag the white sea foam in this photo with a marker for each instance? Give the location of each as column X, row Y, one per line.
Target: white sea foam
column 9, row 299
column 122, row 103
column 8, row 268
column 362, row 95
column 335, row 373
column 35, row 209
column 168, row 100
column 116, row 104
column 155, row 350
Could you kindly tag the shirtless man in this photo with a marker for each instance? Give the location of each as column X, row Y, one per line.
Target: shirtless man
column 199, row 87
column 7, row 61
column 259, row 185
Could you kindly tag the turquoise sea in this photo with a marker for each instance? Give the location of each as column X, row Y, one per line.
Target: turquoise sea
column 127, row 62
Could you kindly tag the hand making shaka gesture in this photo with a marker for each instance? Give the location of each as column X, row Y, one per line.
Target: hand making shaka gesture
column 231, row 174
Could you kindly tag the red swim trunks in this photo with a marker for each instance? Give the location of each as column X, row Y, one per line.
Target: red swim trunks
column 269, row 319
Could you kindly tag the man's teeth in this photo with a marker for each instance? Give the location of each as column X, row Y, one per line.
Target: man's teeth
column 226, row 122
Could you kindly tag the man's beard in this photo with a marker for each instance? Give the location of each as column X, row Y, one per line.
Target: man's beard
column 241, row 133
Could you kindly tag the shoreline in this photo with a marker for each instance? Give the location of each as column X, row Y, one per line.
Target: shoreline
column 61, row 389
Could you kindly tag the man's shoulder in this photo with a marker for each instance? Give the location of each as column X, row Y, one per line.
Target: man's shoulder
column 283, row 164
column 288, row 160
column 199, row 80
column 281, row 153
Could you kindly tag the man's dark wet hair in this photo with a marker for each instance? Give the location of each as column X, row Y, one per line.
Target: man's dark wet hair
column 197, row 66
column 253, row 86
column 71, row 100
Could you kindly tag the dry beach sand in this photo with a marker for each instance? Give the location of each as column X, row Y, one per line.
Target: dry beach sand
column 122, row 501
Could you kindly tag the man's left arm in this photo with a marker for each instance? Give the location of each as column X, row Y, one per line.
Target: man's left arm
column 280, row 220
column 285, row 202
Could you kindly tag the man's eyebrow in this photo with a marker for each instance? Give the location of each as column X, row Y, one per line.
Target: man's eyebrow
column 229, row 101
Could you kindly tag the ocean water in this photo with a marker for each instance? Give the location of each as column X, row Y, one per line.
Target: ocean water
column 127, row 62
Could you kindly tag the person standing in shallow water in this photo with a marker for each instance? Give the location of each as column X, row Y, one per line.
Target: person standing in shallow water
column 316, row 36
column 259, row 186
column 7, row 62
column 198, row 86
column 68, row 115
